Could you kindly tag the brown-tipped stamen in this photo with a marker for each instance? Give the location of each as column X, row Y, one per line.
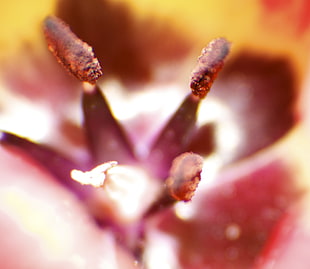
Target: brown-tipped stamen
column 174, row 137
column 54, row 162
column 184, row 176
column 210, row 62
column 183, row 180
column 106, row 137
column 76, row 56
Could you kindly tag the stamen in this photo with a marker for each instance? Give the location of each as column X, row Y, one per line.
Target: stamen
column 106, row 136
column 54, row 162
column 210, row 62
column 175, row 136
column 184, row 176
column 76, row 56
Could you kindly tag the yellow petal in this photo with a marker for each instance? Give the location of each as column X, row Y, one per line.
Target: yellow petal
column 21, row 21
column 247, row 24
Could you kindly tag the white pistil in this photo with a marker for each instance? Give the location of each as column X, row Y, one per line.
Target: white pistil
column 94, row 177
column 128, row 190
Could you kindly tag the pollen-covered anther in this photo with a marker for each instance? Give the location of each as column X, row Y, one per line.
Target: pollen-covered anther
column 184, row 176
column 76, row 56
column 210, row 62
column 95, row 177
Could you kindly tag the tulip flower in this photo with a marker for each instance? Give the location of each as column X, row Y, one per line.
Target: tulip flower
column 176, row 181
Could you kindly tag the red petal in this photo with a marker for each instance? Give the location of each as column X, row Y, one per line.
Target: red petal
column 260, row 93
column 232, row 221
column 288, row 246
